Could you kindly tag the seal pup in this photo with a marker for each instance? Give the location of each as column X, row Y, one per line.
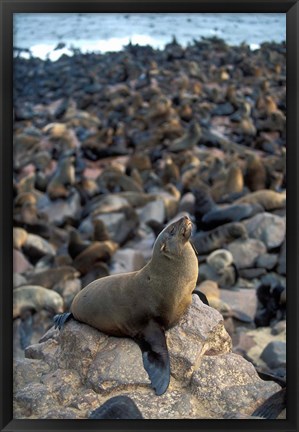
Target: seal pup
column 145, row 303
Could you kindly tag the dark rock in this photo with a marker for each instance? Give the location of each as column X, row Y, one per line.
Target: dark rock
column 274, row 355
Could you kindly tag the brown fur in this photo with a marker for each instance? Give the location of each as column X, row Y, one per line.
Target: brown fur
column 122, row 305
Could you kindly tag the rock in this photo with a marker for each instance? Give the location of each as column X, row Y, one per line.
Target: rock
column 252, row 273
column 154, row 210
column 126, row 260
column 267, row 261
column 18, row 280
column 224, row 278
column 268, row 228
column 60, row 210
column 68, row 289
column 279, row 328
column 273, row 279
column 281, row 268
column 261, row 337
column 187, row 203
column 210, row 289
column 243, row 300
column 41, row 322
column 79, row 368
column 246, row 252
column 274, row 354
column 111, row 221
column 20, row 263
column 233, row 388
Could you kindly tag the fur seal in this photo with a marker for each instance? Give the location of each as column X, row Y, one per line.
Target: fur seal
column 255, row 174
column 189, row 140
column 63, row 178
column 233, row 183
column 206, row 242
column 145, row 303
column 229, row 213
column 268, row 199
column 97, row 251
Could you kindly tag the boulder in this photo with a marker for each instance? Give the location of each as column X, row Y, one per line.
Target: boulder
column 20, row 263
column 126, row 260
column 72, row 372
column 267, row 227
column 246, row 252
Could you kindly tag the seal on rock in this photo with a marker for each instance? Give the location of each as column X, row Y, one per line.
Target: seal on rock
column 145, row 303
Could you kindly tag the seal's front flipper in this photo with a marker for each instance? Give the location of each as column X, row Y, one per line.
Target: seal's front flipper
column 155, row 356
column 25, row 329
column 61, row 319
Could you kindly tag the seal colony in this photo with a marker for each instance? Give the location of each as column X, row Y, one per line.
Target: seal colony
column 145, row 303
column 109, row 148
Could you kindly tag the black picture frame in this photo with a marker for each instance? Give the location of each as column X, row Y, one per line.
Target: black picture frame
column 7, row 9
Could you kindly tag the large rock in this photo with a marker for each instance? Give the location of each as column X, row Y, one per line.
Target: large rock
column 268, row 228
column 72, row 372
column 20, row 263
column 60, row 210
column 246, row 252
column 126, row 260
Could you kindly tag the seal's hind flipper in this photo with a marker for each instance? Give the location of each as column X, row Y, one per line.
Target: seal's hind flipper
column 273, row 406
column 155, row 356
column 61, row 319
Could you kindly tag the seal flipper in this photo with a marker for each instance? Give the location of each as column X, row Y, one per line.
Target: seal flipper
column 61, row 319
column 273, row 406
column 155, row 356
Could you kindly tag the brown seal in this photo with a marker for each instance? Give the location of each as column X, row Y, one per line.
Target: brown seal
column 268, row 199
column 145, row 303
column 63, row 178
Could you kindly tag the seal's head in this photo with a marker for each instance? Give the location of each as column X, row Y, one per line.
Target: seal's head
column 171, row 241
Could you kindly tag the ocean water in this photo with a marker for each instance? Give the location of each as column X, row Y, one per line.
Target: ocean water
column 102, row 32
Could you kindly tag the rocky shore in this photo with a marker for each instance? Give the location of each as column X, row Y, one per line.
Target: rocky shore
column 109, row 148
